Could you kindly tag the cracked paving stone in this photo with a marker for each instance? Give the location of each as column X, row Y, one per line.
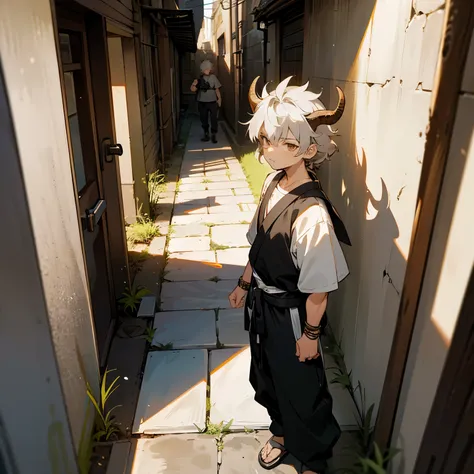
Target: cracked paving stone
column 175, row 454
column 189, row 244
column 230, row 235
column 177, row 296
column 173, row 393
column 186, row 329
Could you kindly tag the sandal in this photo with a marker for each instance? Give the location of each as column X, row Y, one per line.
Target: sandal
column 277, row 460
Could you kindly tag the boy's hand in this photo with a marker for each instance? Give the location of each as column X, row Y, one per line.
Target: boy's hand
column 237, row 298
column 219, row 102
column 307, row 349
column 195, row 82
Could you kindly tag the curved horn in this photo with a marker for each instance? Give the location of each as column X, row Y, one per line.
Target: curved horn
column 254, row 100
column 328, row 117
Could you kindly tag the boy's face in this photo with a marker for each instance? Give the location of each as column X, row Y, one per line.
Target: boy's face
column 206, row 72
column 285, row 153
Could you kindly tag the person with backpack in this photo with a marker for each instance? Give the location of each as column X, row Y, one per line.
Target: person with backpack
column 209, row 99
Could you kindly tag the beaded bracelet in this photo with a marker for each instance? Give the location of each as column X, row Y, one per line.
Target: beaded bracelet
column 243, row 284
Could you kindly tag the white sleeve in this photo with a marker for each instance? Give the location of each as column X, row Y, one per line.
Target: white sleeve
column 318, row 253
column 252, row 232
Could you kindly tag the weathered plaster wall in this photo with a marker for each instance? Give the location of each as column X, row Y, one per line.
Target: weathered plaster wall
column 450, row 262
column 47, row 341
column 383, row 54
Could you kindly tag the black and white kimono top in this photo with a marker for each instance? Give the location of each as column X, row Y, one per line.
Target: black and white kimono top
column 315, row 249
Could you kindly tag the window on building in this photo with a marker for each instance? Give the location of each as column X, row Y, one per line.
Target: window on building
column 221, row 46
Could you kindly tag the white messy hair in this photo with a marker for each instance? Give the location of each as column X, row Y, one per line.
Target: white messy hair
column 206, row 64
column 284, row 110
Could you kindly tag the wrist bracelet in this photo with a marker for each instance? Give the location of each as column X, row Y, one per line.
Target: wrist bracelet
column 243, row 284
column 310, row 336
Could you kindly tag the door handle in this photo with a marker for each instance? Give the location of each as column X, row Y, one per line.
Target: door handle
column 109, row 151
column 94, row 214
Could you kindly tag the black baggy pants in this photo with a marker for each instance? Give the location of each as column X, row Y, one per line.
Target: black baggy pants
column 295, row 393
column 206, row 109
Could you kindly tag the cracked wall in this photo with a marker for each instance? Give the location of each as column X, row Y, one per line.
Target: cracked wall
column 384, row 55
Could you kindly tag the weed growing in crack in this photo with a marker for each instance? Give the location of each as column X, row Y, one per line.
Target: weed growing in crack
column 215, row 246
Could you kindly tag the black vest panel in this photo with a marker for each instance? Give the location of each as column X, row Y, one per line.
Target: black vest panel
column 270, row 255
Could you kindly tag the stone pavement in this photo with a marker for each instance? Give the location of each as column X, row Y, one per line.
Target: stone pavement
column 203, row 371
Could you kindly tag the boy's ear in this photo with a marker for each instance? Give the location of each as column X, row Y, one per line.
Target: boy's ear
column 311, row 151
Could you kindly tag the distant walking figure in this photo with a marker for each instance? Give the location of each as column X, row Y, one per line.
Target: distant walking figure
column 209, row 99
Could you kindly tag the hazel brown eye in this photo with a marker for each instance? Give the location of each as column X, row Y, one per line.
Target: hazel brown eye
column 291, row 147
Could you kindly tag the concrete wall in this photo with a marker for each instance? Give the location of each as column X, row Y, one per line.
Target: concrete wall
column 450, row 262
column 383, row 54
column 47, row 344
column 252, row 44
column 122, row 130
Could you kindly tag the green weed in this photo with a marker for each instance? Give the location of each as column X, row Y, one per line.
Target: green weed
column 105, row 426
column 142, row 231
column 131, row 299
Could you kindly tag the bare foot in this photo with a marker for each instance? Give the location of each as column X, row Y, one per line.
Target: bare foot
column 269, row 453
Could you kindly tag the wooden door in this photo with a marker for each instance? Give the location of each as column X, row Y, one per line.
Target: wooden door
column 291, row 47
column 87, row 163
column 448, row 442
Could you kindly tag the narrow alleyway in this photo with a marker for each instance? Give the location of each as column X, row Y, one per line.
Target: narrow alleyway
column 201, row 373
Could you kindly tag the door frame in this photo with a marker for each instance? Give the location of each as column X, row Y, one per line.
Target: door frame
column 445, row 444
column 457, row 32
column 93, row 28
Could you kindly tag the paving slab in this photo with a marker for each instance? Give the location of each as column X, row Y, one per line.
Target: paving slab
column 189, row 244
column 250, row 207
column 237, row 175
column 230, row 328
column 192, row 230
column 231, row 183
column 191, row 180
column 229, row 200
column 230, row 235
column 185, row 329
column 157, row 246
column 200, row 198
column 192, row 187
column 228, row 209
column 217, row 172
column 192, row 266
column 187, row 196
column 176, row 296
column 233, row 262
column 173, row 393
column 174, row 454
column 232, row 396
column 241, row 451
column 185, row 209
column 242, row 191
column 216, row 219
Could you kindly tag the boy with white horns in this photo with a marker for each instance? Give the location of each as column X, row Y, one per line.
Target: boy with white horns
column 294, row 262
